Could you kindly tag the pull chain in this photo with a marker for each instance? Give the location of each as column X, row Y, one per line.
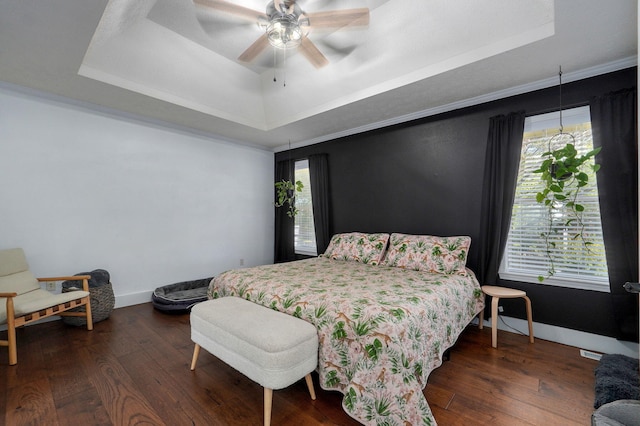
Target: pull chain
column 275, row 63
column 284, row 66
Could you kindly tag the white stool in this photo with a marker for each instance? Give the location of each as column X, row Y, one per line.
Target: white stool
column 496, row 294
column 269, row 347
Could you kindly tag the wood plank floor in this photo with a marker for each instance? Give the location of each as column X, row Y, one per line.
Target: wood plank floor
column 134, row 369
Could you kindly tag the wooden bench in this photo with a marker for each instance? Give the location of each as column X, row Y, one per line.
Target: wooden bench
column 269, row 347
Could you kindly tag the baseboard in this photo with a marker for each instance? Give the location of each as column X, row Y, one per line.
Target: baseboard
column 121, row 301
column 566, row 336
column 130, row 299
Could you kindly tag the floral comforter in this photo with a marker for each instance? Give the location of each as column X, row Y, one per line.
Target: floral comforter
column 382, row 330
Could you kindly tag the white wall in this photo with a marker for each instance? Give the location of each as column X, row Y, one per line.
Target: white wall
column 81, row 190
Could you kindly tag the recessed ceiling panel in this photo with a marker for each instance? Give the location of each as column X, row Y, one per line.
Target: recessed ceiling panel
column 174, row 51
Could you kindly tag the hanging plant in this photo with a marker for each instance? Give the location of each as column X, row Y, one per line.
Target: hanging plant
column 564, row 174
column 286, row 194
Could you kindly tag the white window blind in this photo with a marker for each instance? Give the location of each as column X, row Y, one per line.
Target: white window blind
column 525, row 257
column 304, row 231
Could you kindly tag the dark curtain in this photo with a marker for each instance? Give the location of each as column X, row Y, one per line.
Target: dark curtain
column 284, row 249
column 502, row 159
column 319, row 174
column 615, row 129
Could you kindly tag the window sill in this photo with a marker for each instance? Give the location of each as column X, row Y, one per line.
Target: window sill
column 601, row 286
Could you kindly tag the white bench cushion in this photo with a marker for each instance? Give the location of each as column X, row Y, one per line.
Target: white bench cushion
column 269, row 347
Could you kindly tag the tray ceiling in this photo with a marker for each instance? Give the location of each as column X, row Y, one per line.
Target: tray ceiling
column 170, row 61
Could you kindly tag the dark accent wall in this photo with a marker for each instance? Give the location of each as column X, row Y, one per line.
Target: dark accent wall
column 425, row 177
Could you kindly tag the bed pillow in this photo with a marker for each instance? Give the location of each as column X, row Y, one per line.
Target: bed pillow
column 357, row 246
column 445, row 255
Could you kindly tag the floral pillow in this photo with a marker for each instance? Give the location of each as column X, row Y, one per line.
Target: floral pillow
column 445, row 255
column 357, row 246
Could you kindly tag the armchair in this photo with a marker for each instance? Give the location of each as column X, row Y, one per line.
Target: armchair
column 22, row 301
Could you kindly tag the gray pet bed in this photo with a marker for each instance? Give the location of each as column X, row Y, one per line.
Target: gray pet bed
column 180, row 297
column 624, row 412
column 617, row 377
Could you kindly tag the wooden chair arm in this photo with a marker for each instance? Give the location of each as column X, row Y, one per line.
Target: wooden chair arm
column 73, row 278
column 8, row 294
column 85, row 280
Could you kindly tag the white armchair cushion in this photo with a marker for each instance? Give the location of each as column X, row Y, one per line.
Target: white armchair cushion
column 15, row 276
column 21, row 283
column 37, row 300
column 12, row 261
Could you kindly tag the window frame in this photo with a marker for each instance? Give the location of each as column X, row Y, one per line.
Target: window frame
column 304, row 250
column 570, row 117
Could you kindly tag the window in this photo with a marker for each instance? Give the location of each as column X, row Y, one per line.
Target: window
column 525, row 255
column 304, row 231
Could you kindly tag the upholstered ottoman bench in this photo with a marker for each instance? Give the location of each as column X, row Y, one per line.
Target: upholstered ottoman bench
column 269, row 347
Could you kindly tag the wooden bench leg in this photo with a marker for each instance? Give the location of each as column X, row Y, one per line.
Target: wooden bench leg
column 309, row 381
column 529, row 318
column 268, row 400
column 196, row 352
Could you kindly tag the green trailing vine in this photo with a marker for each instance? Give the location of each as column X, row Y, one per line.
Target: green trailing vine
column 564, row 174
column 286, row 194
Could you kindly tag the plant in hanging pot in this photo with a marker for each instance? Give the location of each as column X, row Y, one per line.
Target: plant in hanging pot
column 564, row 173
column 286, row 194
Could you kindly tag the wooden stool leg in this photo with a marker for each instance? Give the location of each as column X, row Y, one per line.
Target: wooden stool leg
column 196, row 352
column 309, row 381
column 529, row 318
column 494, row 321
column 481, row 319
column 268, row 400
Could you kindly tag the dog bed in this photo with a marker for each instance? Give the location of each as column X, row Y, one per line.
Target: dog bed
column 180, row 297
column 616, row 378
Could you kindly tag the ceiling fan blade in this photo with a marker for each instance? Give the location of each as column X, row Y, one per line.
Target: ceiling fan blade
column 311, row 52
column 234, row 9
column 339, row 18
column 255, row 49
column 336, row 49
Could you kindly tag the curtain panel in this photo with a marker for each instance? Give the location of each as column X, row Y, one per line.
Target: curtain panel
column 319, row 174
column 615, row 128
column 284, row 225
column 502, row 159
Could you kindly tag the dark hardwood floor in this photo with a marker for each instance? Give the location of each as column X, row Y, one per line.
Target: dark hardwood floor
column 134, row 369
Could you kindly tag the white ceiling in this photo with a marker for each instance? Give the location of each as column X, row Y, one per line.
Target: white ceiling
column 169, row 61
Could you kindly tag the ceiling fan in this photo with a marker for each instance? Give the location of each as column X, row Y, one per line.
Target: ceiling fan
column 287, row 26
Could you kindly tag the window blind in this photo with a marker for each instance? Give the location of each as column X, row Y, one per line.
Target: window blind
column 304, row 230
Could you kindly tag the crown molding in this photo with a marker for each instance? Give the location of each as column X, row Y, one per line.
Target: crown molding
column 493, row 96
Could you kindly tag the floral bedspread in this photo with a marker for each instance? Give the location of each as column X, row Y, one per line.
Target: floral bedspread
column 382, row 330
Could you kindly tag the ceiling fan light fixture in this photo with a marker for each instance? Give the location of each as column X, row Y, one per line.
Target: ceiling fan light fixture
column 287, row 26
column 284, row 32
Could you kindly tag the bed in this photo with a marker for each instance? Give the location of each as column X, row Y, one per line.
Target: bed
column 384, row 316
